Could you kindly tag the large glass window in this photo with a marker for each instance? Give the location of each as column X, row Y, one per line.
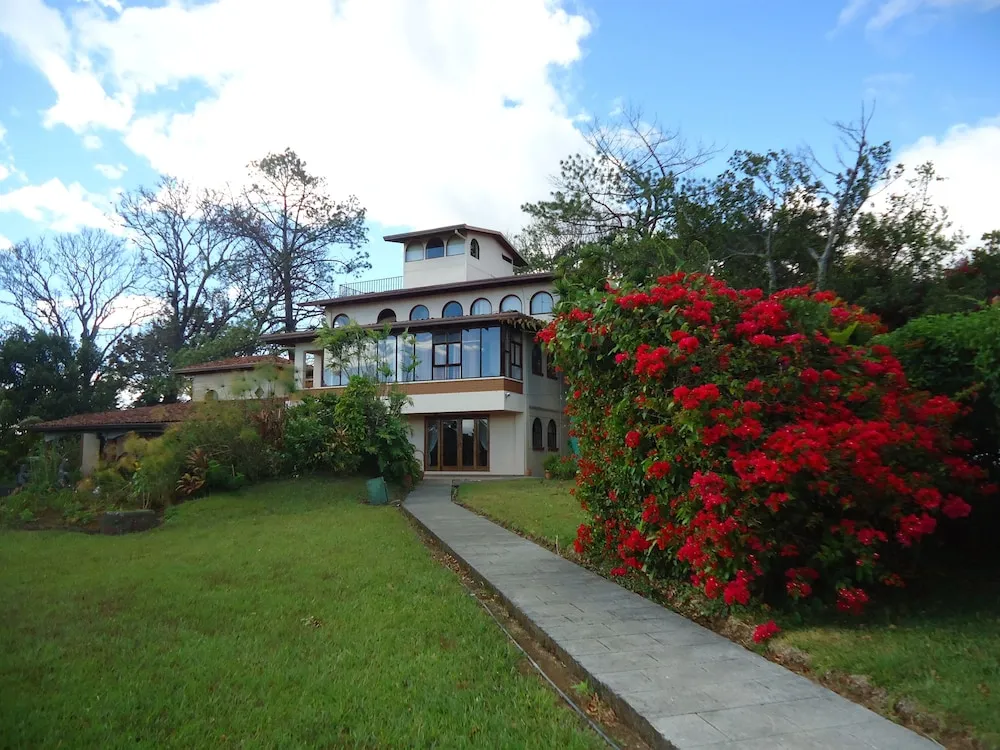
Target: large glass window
column 456, row 246
column 481, row 306
column 510, row 303
column 387, row 360
column 512, row 358
column 491, row 352
column 419, row 312
column 452, row 310
column 471, row 352
column 423, row 350
column 434, row 249
column 457, row 443
column 414, row 251
column 448, row 355
column 541, row 303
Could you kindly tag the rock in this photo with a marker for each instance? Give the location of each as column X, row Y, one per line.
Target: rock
column 128, row 521
column 790, row 655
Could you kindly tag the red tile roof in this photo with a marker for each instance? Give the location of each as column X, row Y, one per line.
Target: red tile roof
column 160, row 414
column 234, row 363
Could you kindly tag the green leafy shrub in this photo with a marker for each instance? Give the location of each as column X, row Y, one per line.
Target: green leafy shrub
column 758, row 448
column 560, row 467
column 313, row 441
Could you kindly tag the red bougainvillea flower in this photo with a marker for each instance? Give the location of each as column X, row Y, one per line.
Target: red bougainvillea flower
column 688, row 344
column 852, row 600
column 633, row 438
column 765, row 631
column 658, row 469
column 956, row 507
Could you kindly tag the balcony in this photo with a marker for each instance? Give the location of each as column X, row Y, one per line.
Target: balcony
column 354, row 288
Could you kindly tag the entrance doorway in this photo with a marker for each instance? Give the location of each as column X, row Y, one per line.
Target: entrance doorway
column 457, row 443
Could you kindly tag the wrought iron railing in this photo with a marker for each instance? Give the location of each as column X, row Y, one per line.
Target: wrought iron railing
column 353, row 288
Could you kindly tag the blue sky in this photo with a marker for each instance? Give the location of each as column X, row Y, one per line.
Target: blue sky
column 408, row 104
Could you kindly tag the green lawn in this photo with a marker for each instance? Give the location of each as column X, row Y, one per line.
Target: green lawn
column 539, row 508
column 287, row 615
column 941, row 650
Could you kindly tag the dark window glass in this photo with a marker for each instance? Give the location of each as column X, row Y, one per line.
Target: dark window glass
column 490, row 352
column 449, row 443
column 474, row 248
column 483, row 442
column 434, row 249
column 512, row 355
column 452, row 310
column 510, row 303
column 419, row 313
column 553, row 436
column 388, row 315
column 541, row 303
column 448, row 355
column 468, row 443
column 481, row 306
column 536, row 435
column 536, row 359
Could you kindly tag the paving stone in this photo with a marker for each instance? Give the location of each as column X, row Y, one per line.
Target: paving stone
column 694, row 687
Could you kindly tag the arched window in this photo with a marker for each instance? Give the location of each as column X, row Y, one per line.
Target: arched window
column 211, row 395
column 456, row 246
column 414, row 251
column 340, row 321
column 419, row 313
column 481, row 306
column 474, row 248
column 553, row 436
column 536, row 359
column 536, row 435
column 388, row 315
column 541, row 303
column 510, row 303
column 452, row 310
column 435, row 248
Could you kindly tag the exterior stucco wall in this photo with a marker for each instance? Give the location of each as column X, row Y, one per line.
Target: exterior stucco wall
column 90, row 452
column 366, row 312
column 235, row 384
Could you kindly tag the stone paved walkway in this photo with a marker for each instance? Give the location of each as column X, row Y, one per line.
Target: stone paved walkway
column 683, row 685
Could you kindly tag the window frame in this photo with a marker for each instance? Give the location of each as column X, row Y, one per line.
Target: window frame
column 474, row 248
column 450, row 243
column 552, row 436
column 537, row 436
column 425, row 309
column 536, row 359
column 413, row 246
column 346, row 321
column 537, row 295
column 472, row 307
column 428, row 248
column 444, row 308
column 520, row 303
column 317, row 367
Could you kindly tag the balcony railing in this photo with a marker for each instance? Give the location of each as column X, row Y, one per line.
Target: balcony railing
column 354, row 288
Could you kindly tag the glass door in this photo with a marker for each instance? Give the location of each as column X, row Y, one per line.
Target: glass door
column 460, row 443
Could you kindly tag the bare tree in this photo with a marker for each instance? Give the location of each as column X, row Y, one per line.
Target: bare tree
column 625, row 185
column 291, row 224
column 192, row 255
column 81, row 286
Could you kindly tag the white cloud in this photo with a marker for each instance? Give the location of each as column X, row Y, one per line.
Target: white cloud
column 968, row 157
column 60, row 207
column 887, row 12
column 91, row 142
column 5, row 244
column 4, row 173
column 111, row 171
column 399, row 103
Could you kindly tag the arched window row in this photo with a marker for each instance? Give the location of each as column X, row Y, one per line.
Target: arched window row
column 437, row 247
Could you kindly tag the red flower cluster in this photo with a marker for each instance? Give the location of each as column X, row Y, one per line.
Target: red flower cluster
column 765, row 632
column 775, row 457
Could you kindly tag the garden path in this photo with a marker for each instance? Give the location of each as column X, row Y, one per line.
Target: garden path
column 682, row 685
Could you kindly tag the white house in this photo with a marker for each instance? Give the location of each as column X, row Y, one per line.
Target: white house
column 463, row 324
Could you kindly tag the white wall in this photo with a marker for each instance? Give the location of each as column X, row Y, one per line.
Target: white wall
column 238, row 384
column 90, row 453
column 366, row 312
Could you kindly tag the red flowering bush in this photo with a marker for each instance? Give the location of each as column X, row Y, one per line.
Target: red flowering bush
column 761, row 448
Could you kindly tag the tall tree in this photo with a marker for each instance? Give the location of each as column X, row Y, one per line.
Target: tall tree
column 625, row 185
column 84, row 287
column 291, row 226
column 192, row 254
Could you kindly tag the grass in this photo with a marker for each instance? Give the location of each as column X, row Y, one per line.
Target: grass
column 539, row 508
column 287, row 615
column 941, row 649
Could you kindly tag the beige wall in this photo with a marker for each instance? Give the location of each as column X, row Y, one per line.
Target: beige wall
column 238, row 384
column 453, row 268
column 90, row 453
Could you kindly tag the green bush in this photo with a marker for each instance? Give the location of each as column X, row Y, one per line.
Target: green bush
column 560, row 467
